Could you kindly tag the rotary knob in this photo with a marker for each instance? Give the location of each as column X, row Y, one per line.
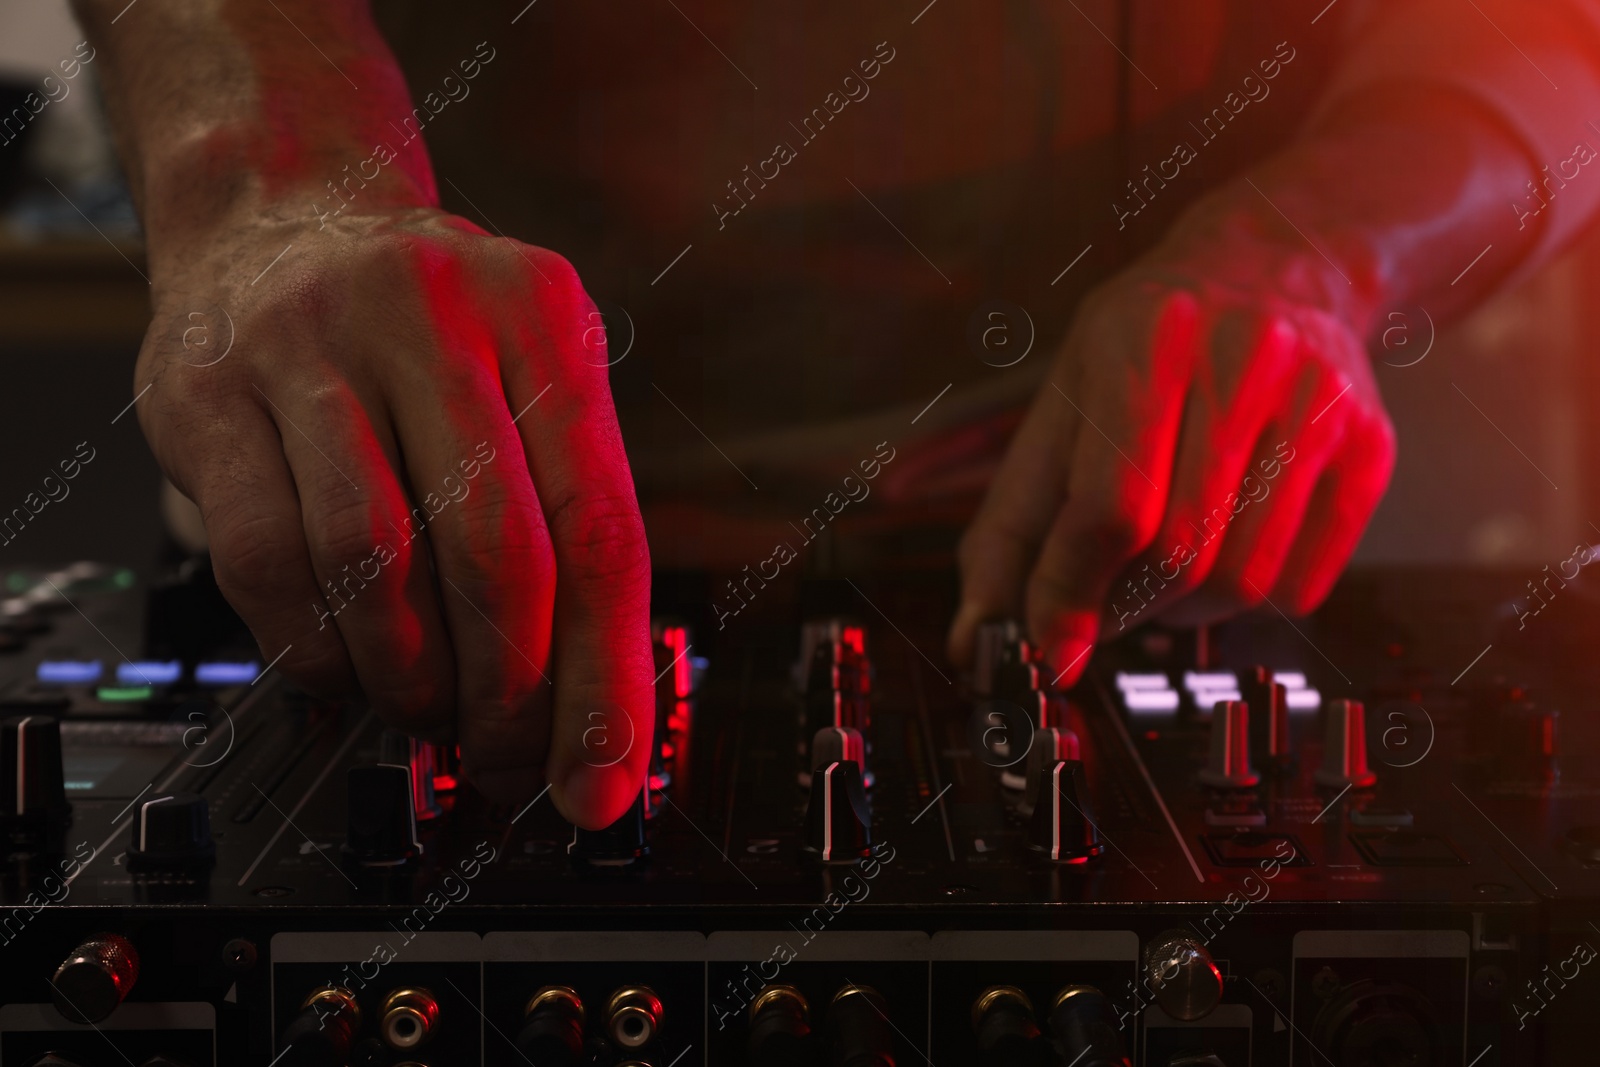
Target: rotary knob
column 34, row 813
column 381, row 817
column 1229, row 764
column 621, row 844
column 421, row 761
column 836, row 744
column 172, row 830
column 1062, row 828
column 1183, row 976
column 95, row 978
column 838, row 821
column 1269, row 718
column 1050, row 746
column 1344, row 748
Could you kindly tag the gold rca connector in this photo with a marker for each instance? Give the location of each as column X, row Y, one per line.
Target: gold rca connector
column 556, row 998
column 633, row 1016
column 410, row 1016
column 999, row 998
column 1068, row 992
column 336, row 1002
column 781, row 998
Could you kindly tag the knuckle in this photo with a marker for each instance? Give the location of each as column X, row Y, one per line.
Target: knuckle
column 344, row 533
column 602, row 536
column 250, row 551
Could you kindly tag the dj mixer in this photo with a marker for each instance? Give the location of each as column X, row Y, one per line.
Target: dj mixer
column 1368, row 837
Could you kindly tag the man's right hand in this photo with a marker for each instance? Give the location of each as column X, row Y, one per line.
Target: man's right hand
column 414, row 485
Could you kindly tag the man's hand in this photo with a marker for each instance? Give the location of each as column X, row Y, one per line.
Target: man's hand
column 412, row 479
column 1210, row 438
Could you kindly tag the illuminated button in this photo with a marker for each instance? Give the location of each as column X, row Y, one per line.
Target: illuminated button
column 1151, row 699
column 1128, row 681
column 123, row 694
column 1206, row 699
column 1290, row 679
column 149, row 672
column 1304, row 700
column 1194, row 681
column 225, row 673
column 69, row 671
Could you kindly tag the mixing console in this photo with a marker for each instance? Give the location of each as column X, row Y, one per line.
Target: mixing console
column 1340, row 840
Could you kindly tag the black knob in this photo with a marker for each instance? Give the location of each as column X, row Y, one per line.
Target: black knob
column 50, row 1059
column 1062, row 828
column 859, row 1034
column 171, row 830
column 833, row 744
column 1269, row 718
column 1002, row 1021
column 1048, row 747
column 381, row 816
column 322, row 1033
column 420, row 760
column 780, row 1028
column 552, row 1031
column 34, row 813
column 1344, row 748
column 1084, row 1024
column 838, row 821
column 94, row 979
column 1228, row 766
column 621, row 844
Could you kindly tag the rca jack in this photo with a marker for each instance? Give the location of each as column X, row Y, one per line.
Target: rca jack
column 633, row 1017
column 410, row 1016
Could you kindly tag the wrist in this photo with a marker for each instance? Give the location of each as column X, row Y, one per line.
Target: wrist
column 216, row 181
column 1260, row 231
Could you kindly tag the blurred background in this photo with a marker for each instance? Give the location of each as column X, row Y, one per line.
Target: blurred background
column 1496, row 421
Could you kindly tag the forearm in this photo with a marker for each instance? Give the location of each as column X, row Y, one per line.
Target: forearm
column 223, row 105
column 1381, row 206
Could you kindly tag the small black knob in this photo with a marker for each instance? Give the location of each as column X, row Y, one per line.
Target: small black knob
column 621, row 844
column 1269, row 718
column 34, row 813
column 859, row 1034
column 1048, row 747
column 95, row 978
column 420, row 760
column 381, row 816
column 1062, row 828
column 171, row 830
column 1084, row 1024
column 833, row 744
column 552, row 1031
column 838, row 820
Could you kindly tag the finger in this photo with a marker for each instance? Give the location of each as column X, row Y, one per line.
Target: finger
column 375, row 582
column 604, row 676
column 1278, row 487
column 1117, row 490
column 1214, row 454
column 999, row 546
column 1347, row 494
column 235, row 472
column 475, row 505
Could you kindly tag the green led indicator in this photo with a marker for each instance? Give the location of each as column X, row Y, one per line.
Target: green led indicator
column 123, row 694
